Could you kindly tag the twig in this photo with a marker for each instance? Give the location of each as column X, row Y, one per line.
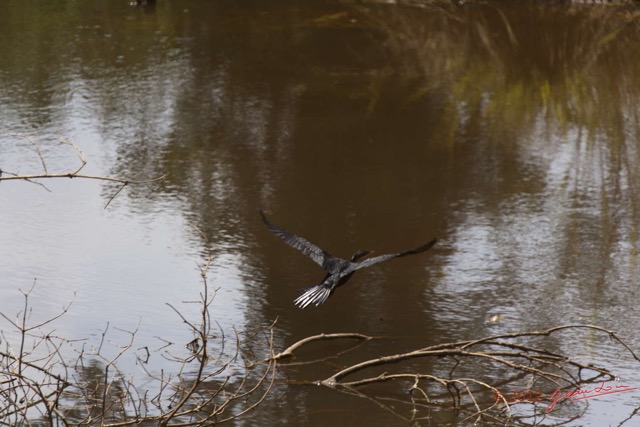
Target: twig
column 125, row 181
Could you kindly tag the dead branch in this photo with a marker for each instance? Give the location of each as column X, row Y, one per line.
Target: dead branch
column 6, row 175
column 543, row 366
column 288, row 352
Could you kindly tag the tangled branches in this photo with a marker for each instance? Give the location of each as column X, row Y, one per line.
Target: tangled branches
column 28, row 382
column 464, row 373
column 39, row 385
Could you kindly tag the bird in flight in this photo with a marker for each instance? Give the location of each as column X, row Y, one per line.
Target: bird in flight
column 339, row 271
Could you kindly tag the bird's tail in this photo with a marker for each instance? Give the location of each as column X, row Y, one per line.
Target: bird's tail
column 313, row 295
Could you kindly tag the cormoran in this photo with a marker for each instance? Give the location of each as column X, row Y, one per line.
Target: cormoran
column 339, row 271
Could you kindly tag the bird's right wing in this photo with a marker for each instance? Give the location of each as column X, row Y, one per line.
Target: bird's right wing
column 318, row 255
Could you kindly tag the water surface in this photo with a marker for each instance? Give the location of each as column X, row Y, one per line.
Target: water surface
column 508, row 131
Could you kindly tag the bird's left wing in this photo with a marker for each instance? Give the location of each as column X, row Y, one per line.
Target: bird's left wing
column 318, row 255
column 371, row 261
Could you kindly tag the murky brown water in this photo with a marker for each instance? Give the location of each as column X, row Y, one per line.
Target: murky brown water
column 507, row 130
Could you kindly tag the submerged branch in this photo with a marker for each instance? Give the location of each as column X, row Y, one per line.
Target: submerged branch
column 545, row 368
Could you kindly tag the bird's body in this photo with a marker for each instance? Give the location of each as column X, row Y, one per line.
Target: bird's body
column 339, row 270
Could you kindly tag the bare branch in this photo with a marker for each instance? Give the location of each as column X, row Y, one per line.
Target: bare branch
column 544, row 366
column 288, row 352
column 33, row 177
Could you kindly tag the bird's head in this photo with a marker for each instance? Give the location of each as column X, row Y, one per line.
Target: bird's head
column 361, row 253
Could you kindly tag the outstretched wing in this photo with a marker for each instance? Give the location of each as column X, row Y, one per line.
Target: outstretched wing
column 371, row 261
column 303, row 245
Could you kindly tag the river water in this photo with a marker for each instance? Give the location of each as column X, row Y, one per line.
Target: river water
column 508, row 130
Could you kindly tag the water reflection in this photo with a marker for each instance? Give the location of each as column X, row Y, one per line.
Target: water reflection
column 507, row 130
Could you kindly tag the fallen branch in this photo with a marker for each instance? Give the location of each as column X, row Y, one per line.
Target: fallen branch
column 544, row 367
column 289, row 351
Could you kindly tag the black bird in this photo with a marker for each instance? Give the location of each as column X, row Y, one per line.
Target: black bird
column 339, row 271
